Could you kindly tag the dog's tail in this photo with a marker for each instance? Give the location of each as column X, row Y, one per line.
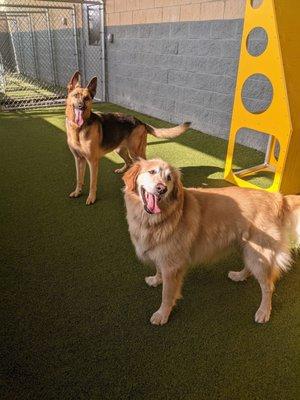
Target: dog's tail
column 292, row 218
column 168, row 133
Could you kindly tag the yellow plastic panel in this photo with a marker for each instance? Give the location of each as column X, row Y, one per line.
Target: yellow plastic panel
column 280, row 63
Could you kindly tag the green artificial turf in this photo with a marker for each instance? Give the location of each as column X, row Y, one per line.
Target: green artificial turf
column 74, row 305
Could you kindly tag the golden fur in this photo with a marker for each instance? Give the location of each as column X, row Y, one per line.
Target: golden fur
column 90, row 136
column 195, row 226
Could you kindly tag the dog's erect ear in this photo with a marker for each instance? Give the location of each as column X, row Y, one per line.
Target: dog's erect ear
column 130, row 177
column 92, row 86
column 74, row 81
column 178, row 187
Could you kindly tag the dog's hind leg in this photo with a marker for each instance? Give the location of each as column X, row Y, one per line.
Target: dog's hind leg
column 239, row 276
column 137, row 143
column 259, row 261
column 123, row 152
column 80, row 163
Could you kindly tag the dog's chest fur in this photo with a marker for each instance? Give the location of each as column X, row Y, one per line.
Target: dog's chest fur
column 78, row 140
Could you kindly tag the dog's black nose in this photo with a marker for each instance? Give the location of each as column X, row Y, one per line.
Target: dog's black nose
column 161, row 188
column 80, row 106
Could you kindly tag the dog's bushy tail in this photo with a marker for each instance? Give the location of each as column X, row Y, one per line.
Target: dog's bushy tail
column 168, row 133
column 292, row 218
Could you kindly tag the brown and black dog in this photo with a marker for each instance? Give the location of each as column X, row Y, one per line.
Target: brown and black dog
column 90, row 136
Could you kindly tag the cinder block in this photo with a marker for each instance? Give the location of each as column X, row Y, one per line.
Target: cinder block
column 204, row 48
column 171, row 14
column 199, row 29
column 138, row 17
column 167, row 61
column 147, row 4
column 223, row 84
column 179, row 30
column 126, row 18
column 224, row 29
column 153, row 15
column 170, row 91
column 231, row 48
column 222, row 102
column 190, row 12
column 132, row 5
column 163, row 46
column 165, row 3
column 222, row 120
column 202, row 81
column 161, row 30
column 197, row 97
column 178, row 78
column 196, row 64
column 110, row 6
column 221, row 66
column 113, row 19
column 145, row 31
column 120, row 5
column 234, row 9
column 212, row 10
column 194, row 112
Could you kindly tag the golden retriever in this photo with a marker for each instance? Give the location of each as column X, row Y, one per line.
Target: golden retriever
column 173, row 227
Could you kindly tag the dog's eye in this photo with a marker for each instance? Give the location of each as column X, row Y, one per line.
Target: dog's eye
column 152, row 171
column 75, row 95
column 86, row 98
column 168, row 177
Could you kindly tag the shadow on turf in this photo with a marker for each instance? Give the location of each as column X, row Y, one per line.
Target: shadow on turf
column 200, row 176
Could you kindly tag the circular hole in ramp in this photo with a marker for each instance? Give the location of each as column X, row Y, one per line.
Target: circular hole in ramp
column 257, row 41
column 257, row 93
column 256, row 3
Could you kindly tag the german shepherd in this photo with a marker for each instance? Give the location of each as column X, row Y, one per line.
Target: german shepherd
column 91, row 136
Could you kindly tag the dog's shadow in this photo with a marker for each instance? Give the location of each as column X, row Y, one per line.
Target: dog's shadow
column 202, row 176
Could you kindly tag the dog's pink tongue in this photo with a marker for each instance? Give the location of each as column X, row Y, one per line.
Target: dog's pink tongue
column 79, row 117
column 152, row 203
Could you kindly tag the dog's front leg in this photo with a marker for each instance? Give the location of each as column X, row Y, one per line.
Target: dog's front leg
column 93, row 165
column 172, row 283
column 80, row 164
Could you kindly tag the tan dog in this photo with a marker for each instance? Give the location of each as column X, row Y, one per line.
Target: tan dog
column 173, row 227
column 91, row 136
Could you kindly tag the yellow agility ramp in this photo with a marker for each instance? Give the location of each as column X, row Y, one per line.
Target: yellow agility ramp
column 280, row 63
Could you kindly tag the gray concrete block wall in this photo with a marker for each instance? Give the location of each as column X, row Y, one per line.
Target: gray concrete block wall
column 183, row 71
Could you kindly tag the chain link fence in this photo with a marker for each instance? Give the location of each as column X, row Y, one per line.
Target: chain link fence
column 42, row 45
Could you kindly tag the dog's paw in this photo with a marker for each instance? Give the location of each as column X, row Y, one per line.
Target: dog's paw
column 236, row 276
column 159, row 318
column 91, row 199
column 262, row 315
column 121, row 170
column 75, row 194
column 153, row 280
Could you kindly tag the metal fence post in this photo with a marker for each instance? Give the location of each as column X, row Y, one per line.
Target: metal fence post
column 51, row 47
column 35, row 55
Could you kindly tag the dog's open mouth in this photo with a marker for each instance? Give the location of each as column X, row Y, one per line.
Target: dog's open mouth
column 79, row 116
column 150, row 202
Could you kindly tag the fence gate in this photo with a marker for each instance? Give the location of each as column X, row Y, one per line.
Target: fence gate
column 42, row 45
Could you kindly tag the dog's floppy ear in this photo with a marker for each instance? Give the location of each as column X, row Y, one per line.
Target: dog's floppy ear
column 130, row 177
column 74, row 81
column 178, row 187
column 92, row 86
